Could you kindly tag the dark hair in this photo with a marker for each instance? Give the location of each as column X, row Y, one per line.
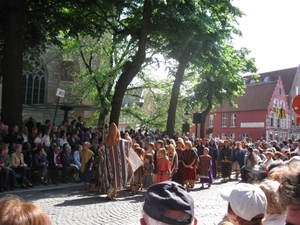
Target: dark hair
column 250, row 149
column 274, row 164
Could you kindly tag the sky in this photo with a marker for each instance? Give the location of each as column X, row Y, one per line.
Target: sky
column 271, row 30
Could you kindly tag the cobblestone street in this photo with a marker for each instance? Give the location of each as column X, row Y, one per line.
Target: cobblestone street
column 69, row 204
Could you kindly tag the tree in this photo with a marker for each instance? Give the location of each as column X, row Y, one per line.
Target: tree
column 219, row 79
column 195, row 31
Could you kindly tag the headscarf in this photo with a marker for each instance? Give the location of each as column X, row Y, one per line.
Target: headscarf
column 113, row 138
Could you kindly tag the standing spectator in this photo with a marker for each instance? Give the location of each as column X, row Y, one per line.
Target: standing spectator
column 199, row 146
column 47, row 124
column 46, row 139
column 86, row 136
column 205, row 168
column 72, row 127
column 29, row 124
column 63, row 138
column 31, row 136
column 54, row 135
column 225, row 158
column 189, row 161
column 41, row 163
column 138, row 174
column 6, row 170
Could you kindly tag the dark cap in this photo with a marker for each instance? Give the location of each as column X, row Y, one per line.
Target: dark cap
column 298, row 140
column 168, row 195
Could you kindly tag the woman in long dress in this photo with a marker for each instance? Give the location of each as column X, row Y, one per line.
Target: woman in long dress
column 225, row 158
column 189, row 161
column 213, row 152
column 205, row 168
column 177, row 177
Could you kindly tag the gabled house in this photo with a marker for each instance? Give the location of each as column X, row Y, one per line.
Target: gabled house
column 262, row 113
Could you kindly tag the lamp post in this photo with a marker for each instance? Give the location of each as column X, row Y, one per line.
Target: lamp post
column 186, row 126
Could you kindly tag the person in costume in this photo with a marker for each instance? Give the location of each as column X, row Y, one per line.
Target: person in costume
column 118, row 166
column 205, row 168
column 189, row 161
column 87, row 159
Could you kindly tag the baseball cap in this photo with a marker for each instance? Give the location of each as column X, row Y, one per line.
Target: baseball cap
column 165, row 196
column 246, row 200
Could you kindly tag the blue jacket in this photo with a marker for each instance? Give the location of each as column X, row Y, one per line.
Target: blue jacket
column 239, row 156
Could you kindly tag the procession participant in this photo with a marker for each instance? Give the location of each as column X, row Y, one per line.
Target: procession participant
column 173, row 158
column 189, row 160
column 117, row 153
column 177, row 177
column 250, row 162
column 163, row 167
column 205, row 168
column 87, row 160
column 148, row 169
column 213, row 152
column 238, row 158
column 225, row 158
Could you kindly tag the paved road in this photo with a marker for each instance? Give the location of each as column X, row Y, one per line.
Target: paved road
column 69, row 204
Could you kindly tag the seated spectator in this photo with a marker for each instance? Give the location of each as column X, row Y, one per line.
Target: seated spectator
column 15, row 212
column 289, row 192
column 19, row 166
column 250, row 162
column 168, row 203
column 63, row 138
column 76, row 156
column 69, row 165
column 55, row 164
column 40, row 162
column 262, row 171
column 6, row 170
column 73, row 141
column 247, row 204
column 275, row 212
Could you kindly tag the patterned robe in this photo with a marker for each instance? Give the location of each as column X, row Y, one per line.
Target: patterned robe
column 118, row 164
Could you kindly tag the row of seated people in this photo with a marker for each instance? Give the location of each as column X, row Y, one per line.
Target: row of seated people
column 47, row 166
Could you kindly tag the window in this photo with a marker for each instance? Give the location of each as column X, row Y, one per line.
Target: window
column 224, row 120
column 34, row 81
column 232, row 137
column 211, row 120
column 279, row 91
column 244, row 136
column 293, row 120
column 297, row 90
column 279, row 123
column 266, row 79
column 223, row 136
column 276, row 102
column 271, row 119
column 233, row 120
column 282, row 105
column 288, row 121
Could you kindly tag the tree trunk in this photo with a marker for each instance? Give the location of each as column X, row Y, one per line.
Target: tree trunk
column 202, row 125
column 12, row 63
column 131, row 68
column 174, row 96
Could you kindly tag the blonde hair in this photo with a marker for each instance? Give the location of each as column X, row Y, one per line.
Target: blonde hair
column 162, row 151
column 15, row 212
column 270, row 188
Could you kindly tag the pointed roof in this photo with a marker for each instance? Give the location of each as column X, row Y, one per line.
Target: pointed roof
column 257, row 97
column 287, row 76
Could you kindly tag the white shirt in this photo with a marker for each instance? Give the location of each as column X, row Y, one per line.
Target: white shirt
column 275, row 219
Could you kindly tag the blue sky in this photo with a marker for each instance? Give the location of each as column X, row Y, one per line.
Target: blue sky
column 271, row 30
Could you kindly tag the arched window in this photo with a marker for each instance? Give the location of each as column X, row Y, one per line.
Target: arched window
column 34, row 81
